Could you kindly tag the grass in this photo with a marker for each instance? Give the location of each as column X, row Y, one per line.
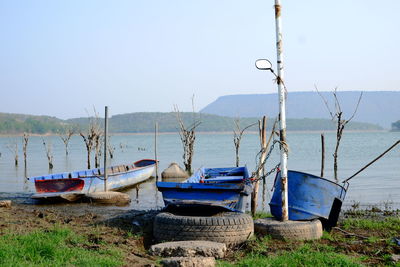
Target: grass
column 389, row 225
column 305, row 255
column 56, row 247
column 261, row 215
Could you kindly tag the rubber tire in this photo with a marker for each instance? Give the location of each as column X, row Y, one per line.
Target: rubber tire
column 230, row 228
column 289, row 230
column 109, row 197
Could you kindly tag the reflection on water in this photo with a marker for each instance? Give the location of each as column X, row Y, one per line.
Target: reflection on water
column 378, row 184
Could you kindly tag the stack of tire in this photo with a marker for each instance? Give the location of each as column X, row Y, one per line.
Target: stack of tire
column 230, row 228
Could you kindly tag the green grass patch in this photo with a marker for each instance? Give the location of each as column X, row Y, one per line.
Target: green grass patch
column 387, row 225
column 306, row 255
column 261, row 215
column 56, row 247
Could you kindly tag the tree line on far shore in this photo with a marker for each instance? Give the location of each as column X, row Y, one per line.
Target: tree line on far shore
column 141, row 122
column 396, row 126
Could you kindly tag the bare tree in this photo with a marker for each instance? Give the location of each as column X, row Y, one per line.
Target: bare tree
column 90, row 137
column 49, row 153
column 337, row 116
column 14, row 149
column 25, row 140
column 98, row 141
column 237, row 137
column 188, row 137
column 66, row 137
column 110, row 148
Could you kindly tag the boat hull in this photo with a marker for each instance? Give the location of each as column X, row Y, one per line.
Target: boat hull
column 197, row 194
column 309, row 197
column 216, row 187
column 88, row 181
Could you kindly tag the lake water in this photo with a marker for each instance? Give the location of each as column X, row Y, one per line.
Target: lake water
column 379, row 184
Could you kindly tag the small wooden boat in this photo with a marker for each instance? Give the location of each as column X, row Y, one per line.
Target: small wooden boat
column 67, row 185
column 310, row 197
column 218, row 187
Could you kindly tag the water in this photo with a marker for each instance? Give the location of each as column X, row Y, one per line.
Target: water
column 379, row 184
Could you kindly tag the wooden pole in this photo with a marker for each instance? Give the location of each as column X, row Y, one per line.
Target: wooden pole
column 263, row 141
column 322, row 154
column 155, row 148
column 105, row 146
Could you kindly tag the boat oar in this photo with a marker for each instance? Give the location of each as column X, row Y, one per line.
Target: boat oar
column 366, row 166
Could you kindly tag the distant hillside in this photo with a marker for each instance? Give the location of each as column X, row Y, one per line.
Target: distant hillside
column 19, row 123
column 144, row 122
column 396, row 126
column 377, row 107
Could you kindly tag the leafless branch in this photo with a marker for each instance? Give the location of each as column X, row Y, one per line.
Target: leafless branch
column 188, row 137
column 326, row 102
column 237, row 137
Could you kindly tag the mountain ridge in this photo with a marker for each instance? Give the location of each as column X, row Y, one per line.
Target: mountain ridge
column 376, row 107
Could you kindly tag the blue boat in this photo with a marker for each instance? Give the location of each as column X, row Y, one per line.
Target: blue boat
column 310, row 197
column 217, row 187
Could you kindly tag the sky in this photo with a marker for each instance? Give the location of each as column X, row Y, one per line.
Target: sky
column 62, row 58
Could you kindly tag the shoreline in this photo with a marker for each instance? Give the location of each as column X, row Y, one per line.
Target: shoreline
column 207, row 132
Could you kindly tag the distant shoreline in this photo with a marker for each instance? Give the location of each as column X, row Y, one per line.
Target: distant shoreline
column 211, row 132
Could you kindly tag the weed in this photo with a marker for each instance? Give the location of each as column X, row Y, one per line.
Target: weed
column 302, row 256
column 55, row 247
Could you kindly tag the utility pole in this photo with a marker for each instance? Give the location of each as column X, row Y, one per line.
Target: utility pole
column 282, row 113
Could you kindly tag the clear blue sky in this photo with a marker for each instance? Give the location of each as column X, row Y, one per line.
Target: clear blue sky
column 59, row 58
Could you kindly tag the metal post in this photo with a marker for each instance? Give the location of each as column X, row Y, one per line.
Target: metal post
column 155, row 148
column 105, row 146
column 282, row 112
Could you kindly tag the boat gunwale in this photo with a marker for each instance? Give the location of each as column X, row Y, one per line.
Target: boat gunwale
column 43, row 178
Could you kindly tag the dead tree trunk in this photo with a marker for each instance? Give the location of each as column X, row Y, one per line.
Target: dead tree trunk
column 66, row 137
column 188, row 136
column 322, row 154
column 25, row 146
column 237, row 137
column 260, row 170
column 14, row 149
column 49, row 155
column 97, row 147
column 341, row 123
column 262, row 126
column 89, row 138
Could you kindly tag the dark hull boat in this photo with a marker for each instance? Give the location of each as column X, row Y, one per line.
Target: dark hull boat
column 310, row 197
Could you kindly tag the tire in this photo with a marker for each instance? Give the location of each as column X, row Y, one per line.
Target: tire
column 225, row 227
column 289, row 230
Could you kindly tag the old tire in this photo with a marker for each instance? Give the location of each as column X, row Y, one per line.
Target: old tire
column 109, row 197
column 225, row 227
column 289, row 230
